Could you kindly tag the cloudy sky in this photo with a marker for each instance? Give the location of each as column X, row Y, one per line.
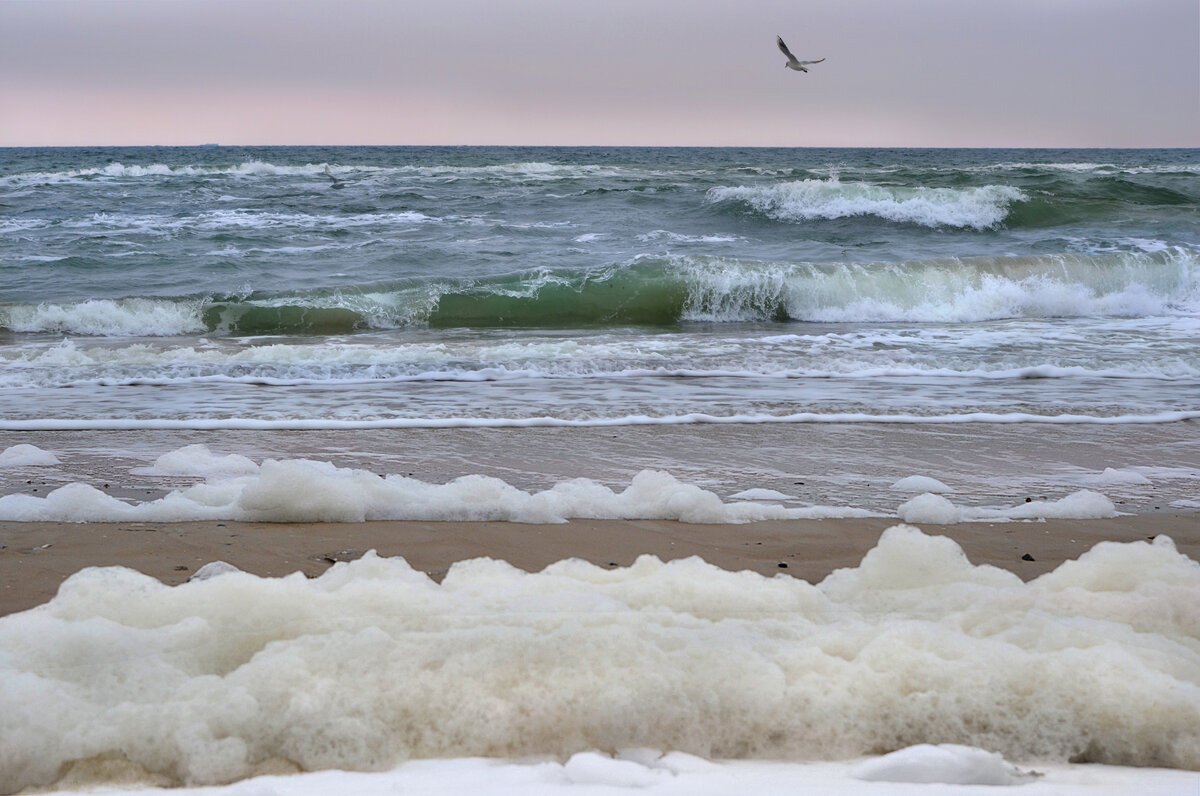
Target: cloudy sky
column 651, row 72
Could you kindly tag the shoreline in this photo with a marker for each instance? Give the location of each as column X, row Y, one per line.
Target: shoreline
column 36, row 557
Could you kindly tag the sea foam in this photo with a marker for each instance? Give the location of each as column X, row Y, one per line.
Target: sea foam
column 937, row 510
column 25, row 455
column 373, row 663
column 951, row 764
column 302, row 490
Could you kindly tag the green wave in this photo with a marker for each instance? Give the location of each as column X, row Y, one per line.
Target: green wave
column 649, row 296
column 666, row 291
column 252, row 319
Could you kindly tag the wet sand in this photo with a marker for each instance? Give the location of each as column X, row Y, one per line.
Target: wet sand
column 35, row 558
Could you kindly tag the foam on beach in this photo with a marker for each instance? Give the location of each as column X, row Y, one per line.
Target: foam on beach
column 648, row 772
column 373, row 663
column 920, row 483
column 937, row 510
column 25, row 455
column 302, row 490
column 234, row 487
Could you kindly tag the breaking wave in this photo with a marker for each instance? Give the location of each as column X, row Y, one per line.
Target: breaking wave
column 532, row 171
column 812, row 200
column 670, row 290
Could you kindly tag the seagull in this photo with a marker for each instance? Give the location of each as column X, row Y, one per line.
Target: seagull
column 792, row 63
column 336, row 182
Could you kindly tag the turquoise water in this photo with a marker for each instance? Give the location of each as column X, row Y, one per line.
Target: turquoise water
column 420, row 286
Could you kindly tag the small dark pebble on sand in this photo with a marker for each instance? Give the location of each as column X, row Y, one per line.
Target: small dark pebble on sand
column 339, row 556
column 783, row 565
column 1027, row 557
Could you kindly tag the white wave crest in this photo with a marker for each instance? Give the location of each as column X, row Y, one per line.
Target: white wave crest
column 809, row 200
column 107, row 317
column 678, row 237
column 1137, row 284
column 522, row 171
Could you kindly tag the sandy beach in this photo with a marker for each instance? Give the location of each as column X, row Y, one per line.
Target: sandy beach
column 36, row 557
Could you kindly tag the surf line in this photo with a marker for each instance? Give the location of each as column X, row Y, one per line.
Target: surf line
column 325, row 424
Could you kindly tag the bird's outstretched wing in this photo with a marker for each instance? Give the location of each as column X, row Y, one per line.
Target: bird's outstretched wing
column 784, row 49
column 806, row 63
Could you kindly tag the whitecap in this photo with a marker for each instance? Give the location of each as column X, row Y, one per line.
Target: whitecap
column 809, row 200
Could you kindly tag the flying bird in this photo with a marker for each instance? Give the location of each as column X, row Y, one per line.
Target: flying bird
column 336, row 182
column 792, row 63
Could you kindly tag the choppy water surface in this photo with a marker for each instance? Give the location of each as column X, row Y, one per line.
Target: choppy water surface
column 498, row 285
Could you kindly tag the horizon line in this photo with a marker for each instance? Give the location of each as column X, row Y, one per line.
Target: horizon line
column 209, row 145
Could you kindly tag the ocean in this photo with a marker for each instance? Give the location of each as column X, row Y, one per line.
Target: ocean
column 497, row 285
column 799, row 297
column 538, row 334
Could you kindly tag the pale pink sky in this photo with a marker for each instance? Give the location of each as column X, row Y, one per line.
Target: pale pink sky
column 650, row 72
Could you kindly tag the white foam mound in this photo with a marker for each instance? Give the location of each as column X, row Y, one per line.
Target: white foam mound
column 760, row 494
column 213, row 569
column 950, row 764
column 373, row 663
column 652, row 774
column 937, row 510
column 198, row 460
column 1111, row 477
column 931, row 509
column 301, row 490
column 920, row 483
column 25, row 455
